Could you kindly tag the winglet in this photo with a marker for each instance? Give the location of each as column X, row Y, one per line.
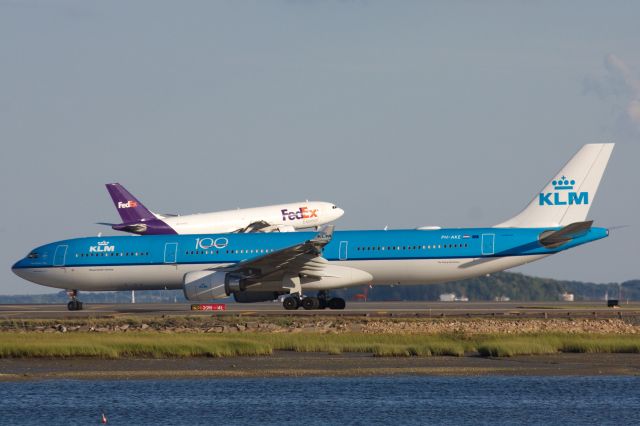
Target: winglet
column 324, row 235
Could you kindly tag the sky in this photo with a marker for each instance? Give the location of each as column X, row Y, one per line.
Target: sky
column 405, row 114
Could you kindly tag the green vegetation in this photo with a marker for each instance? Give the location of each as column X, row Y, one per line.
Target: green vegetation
column 131, row 345
column 554, row 343
column 180, row 345
column 513, row 285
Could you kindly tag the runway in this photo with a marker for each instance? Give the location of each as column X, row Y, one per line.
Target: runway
column 593, row 309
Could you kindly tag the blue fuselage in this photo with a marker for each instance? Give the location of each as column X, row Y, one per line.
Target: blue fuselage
column 398, row 256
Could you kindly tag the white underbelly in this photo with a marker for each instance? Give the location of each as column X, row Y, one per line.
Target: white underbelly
column 431, row 271
column 170, row 276
column 113, row 278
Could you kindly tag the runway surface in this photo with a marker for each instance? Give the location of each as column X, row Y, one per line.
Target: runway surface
column 594, row 309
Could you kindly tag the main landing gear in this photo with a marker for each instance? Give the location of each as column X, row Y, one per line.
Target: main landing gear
column 74, row 304
column 322, row 301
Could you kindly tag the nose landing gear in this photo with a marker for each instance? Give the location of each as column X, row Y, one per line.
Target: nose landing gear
column 322, row 301
column 74, row 304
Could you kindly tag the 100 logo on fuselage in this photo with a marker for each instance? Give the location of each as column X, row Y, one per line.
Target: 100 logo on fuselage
column 207, row 243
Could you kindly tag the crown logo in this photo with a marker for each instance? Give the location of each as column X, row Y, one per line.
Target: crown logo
column 563, row 183
column 103, row 243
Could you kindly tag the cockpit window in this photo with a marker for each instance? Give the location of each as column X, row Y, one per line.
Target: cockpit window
column 334, row 207
column 32, row 255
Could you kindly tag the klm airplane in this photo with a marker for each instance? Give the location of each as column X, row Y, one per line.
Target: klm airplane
column 306, row 266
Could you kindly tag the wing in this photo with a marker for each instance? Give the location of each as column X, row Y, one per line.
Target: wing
column 289, row 270
column 263, row 226
column 305, row 258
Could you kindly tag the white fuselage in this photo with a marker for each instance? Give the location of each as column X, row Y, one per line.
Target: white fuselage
column 284, row 217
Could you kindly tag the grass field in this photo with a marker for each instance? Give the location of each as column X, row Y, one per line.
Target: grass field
column 170, row 345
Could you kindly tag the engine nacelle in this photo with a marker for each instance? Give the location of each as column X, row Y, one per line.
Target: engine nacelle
column 204, row 285
column 256, row 296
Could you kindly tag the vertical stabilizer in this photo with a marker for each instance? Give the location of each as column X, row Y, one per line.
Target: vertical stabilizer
column 128, row 206
column 568, row 196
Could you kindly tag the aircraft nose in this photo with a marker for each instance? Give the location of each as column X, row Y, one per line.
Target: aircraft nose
column 339, row 212
column 16, row 268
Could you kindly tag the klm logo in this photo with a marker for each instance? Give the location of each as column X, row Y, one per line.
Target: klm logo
column 563, row 195
column 102, row 247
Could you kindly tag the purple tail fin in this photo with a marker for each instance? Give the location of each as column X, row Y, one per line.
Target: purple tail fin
column 128, row 206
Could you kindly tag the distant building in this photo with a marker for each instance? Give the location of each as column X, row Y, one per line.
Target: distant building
column 501, row 299
column 448, row 297
column 451, row 297
column 567, row 297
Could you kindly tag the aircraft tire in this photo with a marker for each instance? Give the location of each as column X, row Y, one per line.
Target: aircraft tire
column 74, row 305
column 337, row 303
column 310, row 303
column 290, row 303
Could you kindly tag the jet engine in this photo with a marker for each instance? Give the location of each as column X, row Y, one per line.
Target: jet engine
column 205, row 285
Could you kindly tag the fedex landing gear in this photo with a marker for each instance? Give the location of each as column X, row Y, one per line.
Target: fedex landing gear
column 74, row 304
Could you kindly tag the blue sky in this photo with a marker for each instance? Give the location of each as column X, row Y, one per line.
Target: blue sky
column 404, row 113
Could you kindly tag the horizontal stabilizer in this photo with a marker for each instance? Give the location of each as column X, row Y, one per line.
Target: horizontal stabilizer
column 566, row 234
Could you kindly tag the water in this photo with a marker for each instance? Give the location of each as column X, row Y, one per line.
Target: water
column 312, row 401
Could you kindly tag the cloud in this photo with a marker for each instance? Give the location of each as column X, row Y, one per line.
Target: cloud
column 634, row 110
column 621, row 84
column 619, row 69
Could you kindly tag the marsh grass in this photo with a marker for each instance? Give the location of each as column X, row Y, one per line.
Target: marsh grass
column 180, row 345
column 506, row 346
column 131, row 345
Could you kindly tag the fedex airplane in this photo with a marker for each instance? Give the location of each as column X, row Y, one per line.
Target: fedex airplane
column 306, row 266
column 137, row 219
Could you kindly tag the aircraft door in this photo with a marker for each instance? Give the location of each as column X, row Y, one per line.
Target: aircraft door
column 488, row 241
column 60, row 255
column 170, row 252
column 344, row 246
